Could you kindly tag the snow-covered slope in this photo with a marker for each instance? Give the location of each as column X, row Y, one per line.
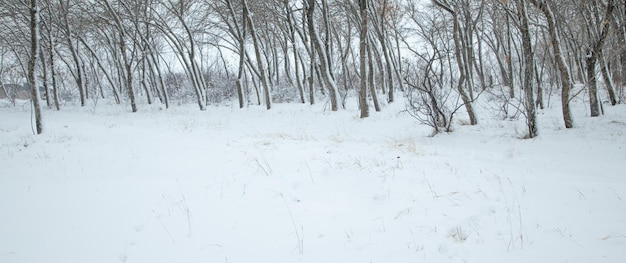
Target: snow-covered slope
column 300, row 184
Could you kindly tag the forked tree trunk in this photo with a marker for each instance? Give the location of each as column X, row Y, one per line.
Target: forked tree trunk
column 595, row 50
column 467, row 101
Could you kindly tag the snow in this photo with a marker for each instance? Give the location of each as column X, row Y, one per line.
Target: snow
column 301, row 184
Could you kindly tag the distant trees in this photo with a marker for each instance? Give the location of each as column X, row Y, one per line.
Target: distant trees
column 343, row 52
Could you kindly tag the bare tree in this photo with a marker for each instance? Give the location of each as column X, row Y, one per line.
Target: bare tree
column 429, row 100
column 467, row 100
column 432, row 95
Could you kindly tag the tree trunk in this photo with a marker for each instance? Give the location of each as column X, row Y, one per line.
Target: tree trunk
column 529, row 103
column 32, row 64
column 322, row 55
column 296, row 55
column 144, row 85
column 68, row 36
column 608, row 82
column 241, row 36
column 370, row 78
column 129, row 75
column 509, row 59
column 459, row 53
column 363, row 60
column 55, row 89
column 381, row 33
column 566, row 80
column 595, row 50
column 261, row 68
column 44, row 72
column 312, row 74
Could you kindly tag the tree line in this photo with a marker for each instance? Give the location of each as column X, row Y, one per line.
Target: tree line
column 441, row 55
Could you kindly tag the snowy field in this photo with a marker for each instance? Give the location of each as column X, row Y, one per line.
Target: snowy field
column 301, row 184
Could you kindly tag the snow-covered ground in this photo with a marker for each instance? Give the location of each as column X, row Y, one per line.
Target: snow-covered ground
column 301, row 184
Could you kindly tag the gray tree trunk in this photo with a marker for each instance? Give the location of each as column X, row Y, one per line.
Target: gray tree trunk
column 363, row 60
column 323, row 57
column 467, row 101
column 595, row 50
column 261, row 68
column 529, row 103
column 32, row 64
column 566, row 80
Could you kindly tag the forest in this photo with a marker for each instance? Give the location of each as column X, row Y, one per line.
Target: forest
column 439, row 55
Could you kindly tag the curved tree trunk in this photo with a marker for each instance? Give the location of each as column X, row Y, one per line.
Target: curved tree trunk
column 323, row 57
column 467, row 101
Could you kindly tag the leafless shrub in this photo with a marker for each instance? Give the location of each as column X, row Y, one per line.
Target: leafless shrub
column 501, row 102
column 431, row 100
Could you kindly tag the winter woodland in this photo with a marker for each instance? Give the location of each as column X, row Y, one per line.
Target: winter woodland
column 312, row 131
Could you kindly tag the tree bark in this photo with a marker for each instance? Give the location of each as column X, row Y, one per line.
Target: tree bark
column 370, row 78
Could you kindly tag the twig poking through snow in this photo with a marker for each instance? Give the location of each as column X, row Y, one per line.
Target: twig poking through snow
column 186, row 207
column 293, row 222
